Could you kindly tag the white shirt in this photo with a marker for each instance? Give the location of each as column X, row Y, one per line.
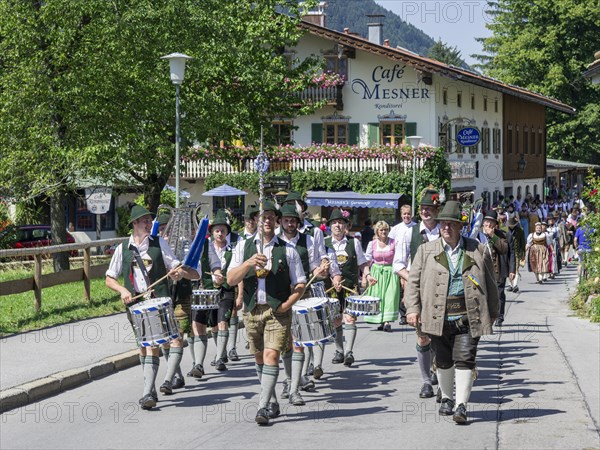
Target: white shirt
column 404, row 248
column 314, row 259
column 139, row 282
column 398, row 230
column 293, row 259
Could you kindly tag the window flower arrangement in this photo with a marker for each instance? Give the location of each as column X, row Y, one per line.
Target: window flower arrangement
column 328, row 79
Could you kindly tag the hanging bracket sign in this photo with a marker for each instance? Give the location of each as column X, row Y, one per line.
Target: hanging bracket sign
column 468, row 136
column 98, row 199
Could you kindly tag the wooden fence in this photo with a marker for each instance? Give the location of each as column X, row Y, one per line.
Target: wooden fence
column 38, row 281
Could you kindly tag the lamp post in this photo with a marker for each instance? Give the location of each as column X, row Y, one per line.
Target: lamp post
column 414, row 143
column 177, row 68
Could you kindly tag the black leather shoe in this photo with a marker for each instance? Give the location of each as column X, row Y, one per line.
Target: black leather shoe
column 311, row 369
column 225, row 359
column 516, row 289
column 460, row 415
column 233, row 355
column 273, row 410
column 403, row 321
column 380, row 327
column 178, row 383
column 387, row 328
column 446, row 407
column 197, row 371
column 147, row 402
column 296, row 399
column 166, row 388
column 262, row 416
column 426, row 391
column 434, row 378
column 306, row 384
column 338, row 358
column 349, row 359
column 318, row 373
column 499, row 322
column 220, row 365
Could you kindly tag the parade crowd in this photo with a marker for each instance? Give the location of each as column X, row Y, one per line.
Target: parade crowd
column 297, row 285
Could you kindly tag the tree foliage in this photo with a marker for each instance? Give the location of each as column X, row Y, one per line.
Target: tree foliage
column 84, row 93
column 545, row 46
column 445, row 53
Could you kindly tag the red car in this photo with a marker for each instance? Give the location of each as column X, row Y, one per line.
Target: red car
column 29, row 236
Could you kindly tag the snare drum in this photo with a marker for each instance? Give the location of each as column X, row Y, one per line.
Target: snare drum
column 318, row 289
column 362, row 305
column 312, row 322
column 205, row 299
column 334, row 304
column 154, row 322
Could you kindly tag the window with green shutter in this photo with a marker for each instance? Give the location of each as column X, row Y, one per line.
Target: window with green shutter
column 373, row 136
column 410, row 128
column 353, row 133
column 316, row 134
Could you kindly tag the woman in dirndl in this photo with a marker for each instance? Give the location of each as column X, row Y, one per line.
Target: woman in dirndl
column 537, row 253
column 382, row 253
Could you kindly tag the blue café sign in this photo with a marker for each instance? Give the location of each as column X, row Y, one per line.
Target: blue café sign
column 468, row 136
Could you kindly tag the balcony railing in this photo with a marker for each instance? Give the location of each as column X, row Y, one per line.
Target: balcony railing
column 332, row 95
column 201, row 169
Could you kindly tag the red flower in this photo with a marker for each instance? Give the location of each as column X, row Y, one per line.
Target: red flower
column 435, row 198
column 594, row 192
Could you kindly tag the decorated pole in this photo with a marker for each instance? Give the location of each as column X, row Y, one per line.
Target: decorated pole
column 262, row 165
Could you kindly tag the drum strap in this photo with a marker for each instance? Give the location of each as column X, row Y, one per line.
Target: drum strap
column 138, row 259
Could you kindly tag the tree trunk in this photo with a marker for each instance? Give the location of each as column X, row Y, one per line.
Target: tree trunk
column 155, row 185
column 59, row 229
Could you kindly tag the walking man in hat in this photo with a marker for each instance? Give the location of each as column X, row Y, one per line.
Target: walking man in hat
column 452, row 294
column 146, row 259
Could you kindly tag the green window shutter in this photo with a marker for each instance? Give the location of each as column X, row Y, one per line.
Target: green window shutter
column 353, row 133
column 410, row 128
column 316, row 133
column 373, row 134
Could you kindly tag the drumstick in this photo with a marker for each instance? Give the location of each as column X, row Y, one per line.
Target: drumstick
column 350, row 290
column 142, row 294
column 310, row 281
column 148, row 289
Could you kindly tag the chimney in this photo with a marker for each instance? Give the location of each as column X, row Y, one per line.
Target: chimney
column 375, row 25
column 316, row 17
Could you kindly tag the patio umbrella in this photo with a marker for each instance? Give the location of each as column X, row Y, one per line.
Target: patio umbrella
column 224, row 191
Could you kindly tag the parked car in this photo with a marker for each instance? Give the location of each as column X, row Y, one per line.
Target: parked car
column 29, row 236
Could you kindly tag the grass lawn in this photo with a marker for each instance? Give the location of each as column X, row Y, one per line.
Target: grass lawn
column 60, row 304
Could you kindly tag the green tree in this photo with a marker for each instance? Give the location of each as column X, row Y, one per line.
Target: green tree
column 83, row 92
column 545, row 46
column 445, row 53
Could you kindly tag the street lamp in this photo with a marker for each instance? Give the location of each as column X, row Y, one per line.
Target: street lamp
column 177, row 68
column 414, row 143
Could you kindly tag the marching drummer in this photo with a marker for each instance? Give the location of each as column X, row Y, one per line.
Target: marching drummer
column 214, row 261
column 273, row 281
column 312, row 263
column 147, row 259
column 351, row 260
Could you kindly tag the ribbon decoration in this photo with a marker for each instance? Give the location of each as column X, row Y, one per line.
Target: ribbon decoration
column 155, row 226
column 192, row 259
column 262, row 165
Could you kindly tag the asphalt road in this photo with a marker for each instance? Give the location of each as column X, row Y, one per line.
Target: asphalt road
column 537, row 387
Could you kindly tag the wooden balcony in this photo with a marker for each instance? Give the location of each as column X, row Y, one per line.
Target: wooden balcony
column 192, row 170
column 332, row 96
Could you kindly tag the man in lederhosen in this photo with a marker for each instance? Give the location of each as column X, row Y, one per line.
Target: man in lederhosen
column 351, row 261
column 315, row 264
column 147, row 259
column 426, row 230
column 452, row 293
column 273, row 281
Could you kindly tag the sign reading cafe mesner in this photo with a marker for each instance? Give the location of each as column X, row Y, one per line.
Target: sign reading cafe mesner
column 384, row 85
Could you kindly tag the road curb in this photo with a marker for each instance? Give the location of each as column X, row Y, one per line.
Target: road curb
column 32, row 391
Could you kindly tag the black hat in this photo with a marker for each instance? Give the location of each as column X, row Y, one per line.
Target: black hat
column 293, row 197
column 220, row 219
column 491, row 215
column 338, row 214
column 451, row 212
column 138, row 211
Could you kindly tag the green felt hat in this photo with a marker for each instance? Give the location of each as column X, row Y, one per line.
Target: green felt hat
column 451, row 212
column 163, row 218
column 429, row 197
column 289, row 210
column 251, row 210
column 221, row 218
column 337, row 214
column 293, row 197
column 269, row 205
column 138, row 211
